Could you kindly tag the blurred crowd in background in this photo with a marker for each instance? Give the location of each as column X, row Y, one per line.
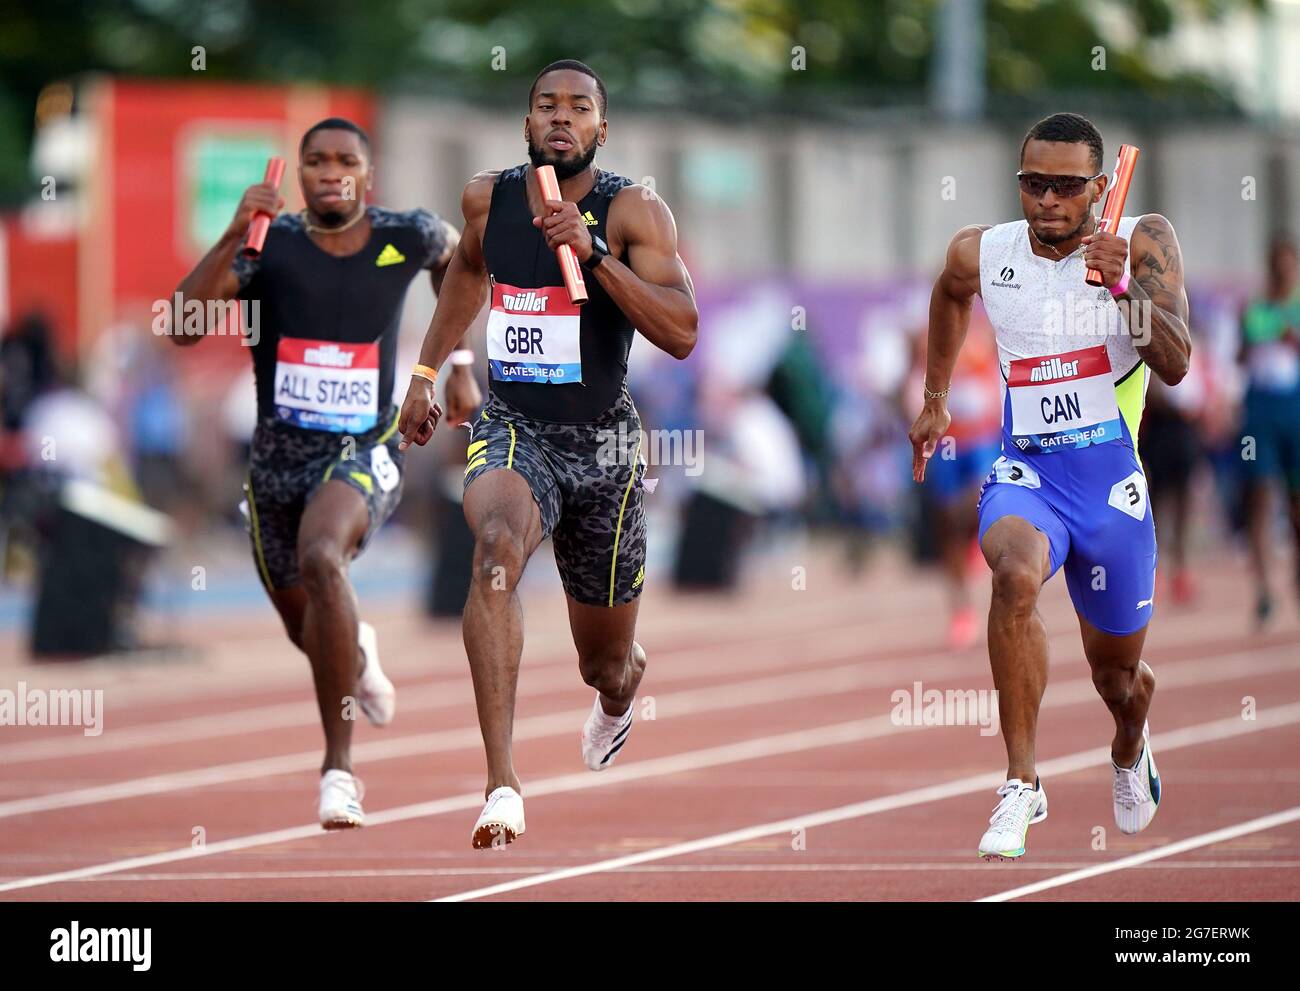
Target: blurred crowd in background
column 791, row 417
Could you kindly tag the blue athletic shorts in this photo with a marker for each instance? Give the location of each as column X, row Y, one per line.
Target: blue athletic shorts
column 1272, row 421
column 1092, row 505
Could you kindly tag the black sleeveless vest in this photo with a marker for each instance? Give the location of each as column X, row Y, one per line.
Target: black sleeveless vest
column 516, row 254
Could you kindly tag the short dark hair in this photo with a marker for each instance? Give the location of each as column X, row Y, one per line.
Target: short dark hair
column 576, row 66
column 335, row 124
column 1068, row 129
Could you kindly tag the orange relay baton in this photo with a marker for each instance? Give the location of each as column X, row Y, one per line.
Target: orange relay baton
column 573, row 280
column 261, row 222
column 1113, row 208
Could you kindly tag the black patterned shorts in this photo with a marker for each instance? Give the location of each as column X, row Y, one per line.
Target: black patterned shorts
column 288, row 465
column 587, row 480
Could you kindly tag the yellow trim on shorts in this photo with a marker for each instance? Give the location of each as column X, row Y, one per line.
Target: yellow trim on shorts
column 392, row 429
column 618, row 530
column 257, row 534
column 474, row 464
column 510, row 458
column 478, row 445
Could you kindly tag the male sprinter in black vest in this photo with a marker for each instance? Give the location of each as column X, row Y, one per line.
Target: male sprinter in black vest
column 325, row 471
column 540, row 459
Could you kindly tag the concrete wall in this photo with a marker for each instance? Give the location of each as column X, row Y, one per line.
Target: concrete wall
column 844, row 203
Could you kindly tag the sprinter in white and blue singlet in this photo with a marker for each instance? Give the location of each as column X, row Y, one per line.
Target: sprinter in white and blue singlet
column 1068, row 491
column 547, row 456
column 322, row 305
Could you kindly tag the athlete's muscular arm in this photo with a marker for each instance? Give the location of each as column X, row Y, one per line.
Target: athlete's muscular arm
column 438, row 271
column 950, row 305
column 464, row 288
column 1155, row 303
column 653, row 289
column 212, row 278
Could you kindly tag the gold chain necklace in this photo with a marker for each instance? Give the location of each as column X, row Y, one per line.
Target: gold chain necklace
column 313, row 229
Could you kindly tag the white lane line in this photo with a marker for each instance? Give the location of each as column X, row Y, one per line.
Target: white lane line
column 141, row 686
column 1188, row 736
column 827, row 868
column 671, row 664
column 786, row 743
column 763, row 691
column 692, row 760
column 755, row 692
column 678, row 661
column 1158, row 853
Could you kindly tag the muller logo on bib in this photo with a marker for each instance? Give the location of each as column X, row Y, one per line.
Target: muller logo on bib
column 527, row 301
column 1054, row 368
column 328, row 355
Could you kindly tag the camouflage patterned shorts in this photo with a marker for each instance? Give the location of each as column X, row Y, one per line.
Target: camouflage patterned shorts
column 587, row 480
column 288, row 465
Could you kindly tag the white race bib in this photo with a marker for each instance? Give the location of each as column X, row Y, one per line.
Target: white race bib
column 327, row 385
column 383, row 469
column 533, row 336
column 1063, row 401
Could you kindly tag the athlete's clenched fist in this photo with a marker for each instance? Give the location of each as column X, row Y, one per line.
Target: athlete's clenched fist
column 419, row 414
column 1107, row 254
column 565, row 226
column 261, row 197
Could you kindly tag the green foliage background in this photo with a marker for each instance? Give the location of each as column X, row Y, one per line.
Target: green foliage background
column 728, row 58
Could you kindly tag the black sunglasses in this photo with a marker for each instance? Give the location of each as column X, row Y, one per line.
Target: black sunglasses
column 1036, row 184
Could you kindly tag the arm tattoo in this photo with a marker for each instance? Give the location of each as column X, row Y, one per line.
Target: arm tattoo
column 1156, row 312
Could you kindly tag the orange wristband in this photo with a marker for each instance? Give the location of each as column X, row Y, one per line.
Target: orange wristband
column 425, row 372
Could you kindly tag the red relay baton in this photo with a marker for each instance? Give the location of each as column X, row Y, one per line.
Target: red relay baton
column 1115, row 196
column 261, row 222
column 573, row 280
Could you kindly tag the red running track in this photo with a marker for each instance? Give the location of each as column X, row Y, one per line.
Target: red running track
column 765, row 764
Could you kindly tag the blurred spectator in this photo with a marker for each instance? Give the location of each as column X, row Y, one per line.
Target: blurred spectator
column 27, row 369
column 753, row 466
column 950, row 495
column 1270, row 351
column 69, row 435
column 1171, row 448
column 157, row 423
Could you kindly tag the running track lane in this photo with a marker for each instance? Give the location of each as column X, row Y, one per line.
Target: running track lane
column 895, row 853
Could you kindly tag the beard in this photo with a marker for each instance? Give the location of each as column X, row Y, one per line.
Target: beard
column 337, row 217
column 1062, row 238
column 565, row 168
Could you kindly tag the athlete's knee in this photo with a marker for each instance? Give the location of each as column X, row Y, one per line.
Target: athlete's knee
column 323, row 566
column 606, row 669
column 1016, row 582
column 499, row 555
column 1115, row 684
